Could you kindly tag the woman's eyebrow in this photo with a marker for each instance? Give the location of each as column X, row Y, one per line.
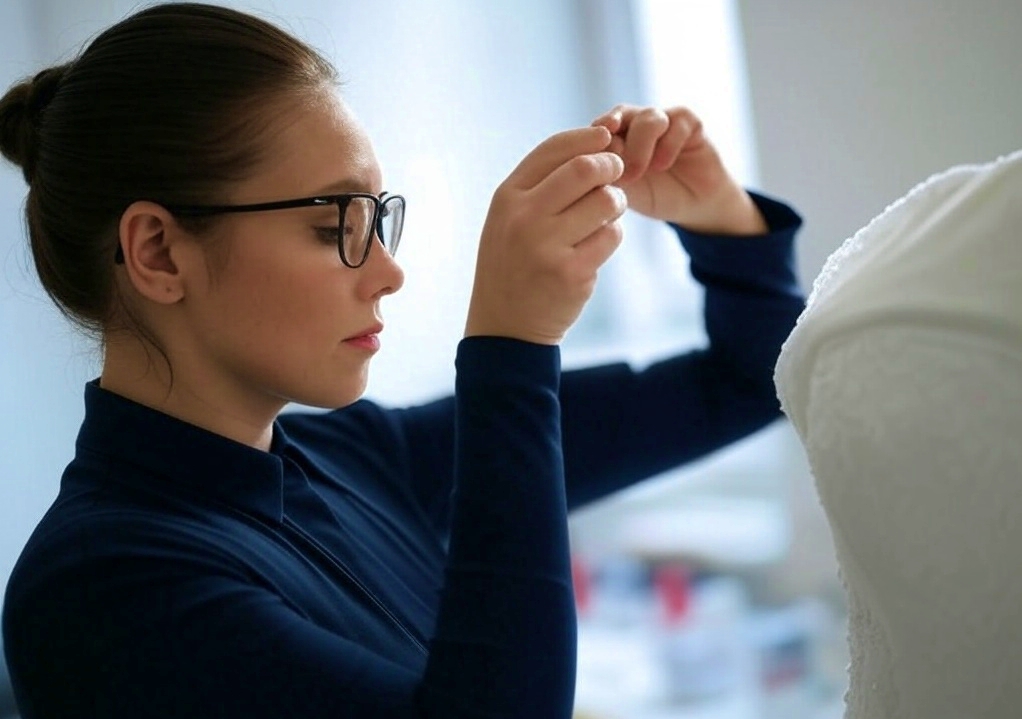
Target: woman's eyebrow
column 345, row 185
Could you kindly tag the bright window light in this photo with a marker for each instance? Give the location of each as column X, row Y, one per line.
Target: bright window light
column 663, row 53
column 692, row 54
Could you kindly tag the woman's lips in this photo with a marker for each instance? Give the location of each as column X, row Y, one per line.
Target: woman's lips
column 366, row 342
column 368, row 339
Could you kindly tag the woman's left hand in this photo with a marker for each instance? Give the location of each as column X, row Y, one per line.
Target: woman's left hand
column 673, row 173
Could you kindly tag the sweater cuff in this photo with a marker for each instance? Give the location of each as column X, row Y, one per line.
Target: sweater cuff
column 495, row 361
column 766, row 260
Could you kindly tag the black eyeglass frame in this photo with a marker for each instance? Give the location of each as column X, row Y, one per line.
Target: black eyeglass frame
column 341, row 201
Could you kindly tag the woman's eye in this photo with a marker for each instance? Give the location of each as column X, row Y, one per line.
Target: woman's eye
column 327, row 234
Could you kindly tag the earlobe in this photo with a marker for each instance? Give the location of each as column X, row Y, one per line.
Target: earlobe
column 146, row 234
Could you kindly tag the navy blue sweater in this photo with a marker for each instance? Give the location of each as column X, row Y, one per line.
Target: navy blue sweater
column 375, row 562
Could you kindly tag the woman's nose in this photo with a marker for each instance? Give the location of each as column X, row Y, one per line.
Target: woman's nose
column 383, row 276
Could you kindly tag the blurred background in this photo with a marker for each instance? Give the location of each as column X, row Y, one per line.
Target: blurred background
column 712, row 591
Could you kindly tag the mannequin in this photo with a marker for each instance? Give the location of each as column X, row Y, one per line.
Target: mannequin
column 903, row 380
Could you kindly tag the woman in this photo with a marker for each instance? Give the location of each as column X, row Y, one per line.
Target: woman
column 200, row 197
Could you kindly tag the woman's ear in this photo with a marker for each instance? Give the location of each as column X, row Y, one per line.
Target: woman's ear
column 147, row 234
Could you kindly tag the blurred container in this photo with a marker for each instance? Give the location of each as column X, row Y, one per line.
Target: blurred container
column 617, row 671
column 707, row 653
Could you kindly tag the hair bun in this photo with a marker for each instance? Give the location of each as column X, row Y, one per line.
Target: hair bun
column 20, row 111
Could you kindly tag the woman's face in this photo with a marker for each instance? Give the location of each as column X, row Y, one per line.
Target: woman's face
column 284, row 319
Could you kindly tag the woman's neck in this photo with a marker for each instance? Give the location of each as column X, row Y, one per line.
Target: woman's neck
column 141, row 373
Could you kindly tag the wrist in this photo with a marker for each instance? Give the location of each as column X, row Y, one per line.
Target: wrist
column 481, row 327
column 734, row 214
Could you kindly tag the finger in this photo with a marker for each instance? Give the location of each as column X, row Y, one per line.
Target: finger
column 684, row 128
column 554, row 152
column 617, row 146
column 594, row 250
column 611, row 119
column 574, row 179
column 598, row 208
column 621, row 116
column 644, row 131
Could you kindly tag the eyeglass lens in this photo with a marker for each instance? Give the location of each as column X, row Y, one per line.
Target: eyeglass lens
column 357, row 230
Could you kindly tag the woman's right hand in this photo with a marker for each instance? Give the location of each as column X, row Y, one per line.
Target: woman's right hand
column 551, row 225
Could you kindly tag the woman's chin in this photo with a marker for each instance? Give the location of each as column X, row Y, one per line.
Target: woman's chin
column 333, row 397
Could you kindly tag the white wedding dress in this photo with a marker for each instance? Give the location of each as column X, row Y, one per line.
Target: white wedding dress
column 903, row 379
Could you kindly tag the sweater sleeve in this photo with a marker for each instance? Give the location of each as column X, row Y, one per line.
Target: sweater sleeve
column 487, row 465
column 505, row 638
column 621, row 426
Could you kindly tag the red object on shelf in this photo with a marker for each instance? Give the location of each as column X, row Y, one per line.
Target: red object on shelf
column 674, row 591
column 582, row 582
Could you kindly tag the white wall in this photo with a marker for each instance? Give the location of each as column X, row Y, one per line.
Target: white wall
column 42, row 363
column 855, row 101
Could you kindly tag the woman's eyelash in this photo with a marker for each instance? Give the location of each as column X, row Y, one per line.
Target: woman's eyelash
column 327, row 234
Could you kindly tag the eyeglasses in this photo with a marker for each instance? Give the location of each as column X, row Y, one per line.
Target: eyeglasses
column 360, row 215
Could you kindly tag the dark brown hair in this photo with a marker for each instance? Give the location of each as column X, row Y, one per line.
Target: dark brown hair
column 169, row 105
